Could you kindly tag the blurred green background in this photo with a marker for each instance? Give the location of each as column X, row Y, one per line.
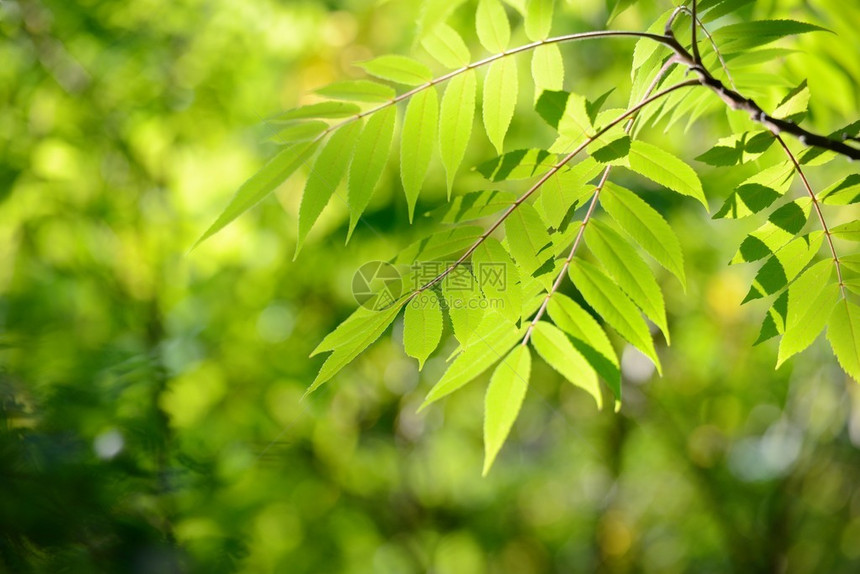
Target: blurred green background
column 149, row 394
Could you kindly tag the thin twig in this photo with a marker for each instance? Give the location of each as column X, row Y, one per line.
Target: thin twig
column 594, row 200
column 713, row 43
column 697, row 57
column 818, row 211
column 555, row 169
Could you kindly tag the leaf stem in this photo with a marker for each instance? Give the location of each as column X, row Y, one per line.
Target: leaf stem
column 697, row 57
column 818, row 211
column 555, row 169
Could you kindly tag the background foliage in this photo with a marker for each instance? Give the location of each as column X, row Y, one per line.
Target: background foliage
column 150, row 395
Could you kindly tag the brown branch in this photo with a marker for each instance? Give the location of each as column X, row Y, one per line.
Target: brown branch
column 697, row 57
column 738, row 102
column 555, row 169
column 818, row 211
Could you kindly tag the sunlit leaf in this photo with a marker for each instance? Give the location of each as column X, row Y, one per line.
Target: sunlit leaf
column 422, row 326
column 322, row 110
column 646, row 226
column 261, row 184
column 758, row 192
column 503, row 401
column 498, row 335
column 630, row 272
column 474, row 205
column 491, row 22
column 848, row 231
column 371, row 155
column 455, row 124
column 810, row 302
column 346, row 344
column 417, row 141
column 500, row 99
column 547, row 68
column 358, row 91
column 844, row 192
column 783, row 225
column 328, row 170
column 498, row 278
column 528, row 238
column 559, row 353
column 843, row 332
column 399, row 69
column 464, row 301
column 784, row 266
column 613, row 305
column 746, row 35
column 538, row 20
column 665, row 169
column 447, row 47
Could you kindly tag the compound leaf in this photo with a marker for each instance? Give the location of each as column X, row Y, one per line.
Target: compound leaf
column 560, row 354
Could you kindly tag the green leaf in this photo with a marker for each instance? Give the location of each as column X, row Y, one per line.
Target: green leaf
column 326, row 173
column 665, row 169
column 628, row 269
column 538, row 20
column 843, row 332
column 646, row 226
column 565, row 189
column 645, row 47
column 420, row 128
column 844, row 192
column 434, row 14
column 491, row 22
column 322, row 110
column 551, row 105
column 371, row 155
column 758, row 192
column 299, row 132
column 498, row 278
column 774, row 321
column 559, row 353
column 517, row 164
column 574, row 125
column 782, row 226
column 464, row 302
column 497, row 336
column 447, row 47
column 794, row 106
column 547, row 68
column 441, row 245
column 398, row 69
column 347, row 342
column 505, row 396
column 613, row 305
column 422, row 326
column 528, row 238
column 261, row 184
column 500, row 99
column 474, row 205
column 719, row 8
column 456, row 118
column 358, row 91
column 810, row 302
column 848, row 231
column 617, row 7
column 784, row 266
column 745, row 35
column 588, row 337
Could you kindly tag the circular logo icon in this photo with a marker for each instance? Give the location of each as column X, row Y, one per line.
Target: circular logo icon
column 376, row 285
